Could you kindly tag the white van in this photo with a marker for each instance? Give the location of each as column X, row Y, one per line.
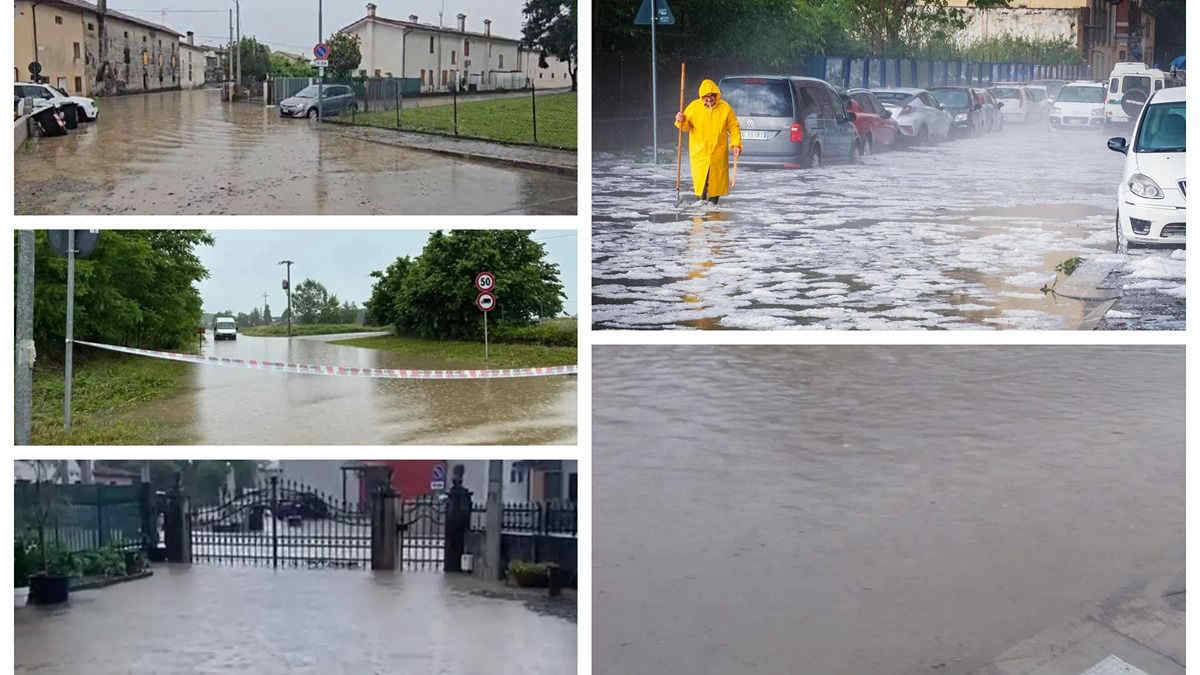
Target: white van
column 1130, row 76
column 224, row 328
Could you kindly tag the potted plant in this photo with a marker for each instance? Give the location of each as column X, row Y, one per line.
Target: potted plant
column 52, row 584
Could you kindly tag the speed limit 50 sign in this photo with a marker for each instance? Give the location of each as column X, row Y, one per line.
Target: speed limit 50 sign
column 485, row 281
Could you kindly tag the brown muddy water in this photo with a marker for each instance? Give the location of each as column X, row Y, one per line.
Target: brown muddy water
column 187, row 152
column 208, row 619
column 239, row 406
column 858, row 510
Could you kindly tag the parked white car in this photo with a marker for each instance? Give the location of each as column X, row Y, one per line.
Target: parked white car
column 1135, row 80
column 52, row 94
column 918, row 113
column 1080, row 105
column 1152, row 196
column 224, row 328
column 1016, row 102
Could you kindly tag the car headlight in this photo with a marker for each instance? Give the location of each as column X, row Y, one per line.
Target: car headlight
column 960, row 117
column 1144, row 186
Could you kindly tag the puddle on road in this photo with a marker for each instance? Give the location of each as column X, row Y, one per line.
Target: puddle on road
column 240, row 406
column 186, row 152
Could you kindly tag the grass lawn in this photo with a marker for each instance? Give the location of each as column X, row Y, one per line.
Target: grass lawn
column 463, row 354
column 281, row 330
column 107, row 391
column 503, row 119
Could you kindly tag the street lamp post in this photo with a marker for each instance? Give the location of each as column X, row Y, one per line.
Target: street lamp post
column 287, row 286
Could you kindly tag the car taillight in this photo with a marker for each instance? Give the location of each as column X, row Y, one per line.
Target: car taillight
column 797, row 132
column 906, row 109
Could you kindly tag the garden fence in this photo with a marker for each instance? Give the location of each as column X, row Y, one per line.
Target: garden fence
column 83, row 517
column 546, row 518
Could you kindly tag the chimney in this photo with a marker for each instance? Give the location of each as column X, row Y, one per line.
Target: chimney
column 191, row 39
column 462, row 23
column 487, row 27
column 370, row 10
column 412, row 18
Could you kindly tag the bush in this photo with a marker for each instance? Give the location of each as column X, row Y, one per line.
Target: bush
column 106, row 562
column 553, row 333
column 528, row 575
column 61, row 562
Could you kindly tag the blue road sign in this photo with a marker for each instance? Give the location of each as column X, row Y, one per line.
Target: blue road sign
column 321, row 51
column 665, row 17
column 439, row 472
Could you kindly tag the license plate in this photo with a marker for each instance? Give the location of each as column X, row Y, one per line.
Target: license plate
column 755, row 135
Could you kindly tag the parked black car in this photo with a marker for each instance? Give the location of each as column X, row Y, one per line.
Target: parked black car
column 790, row 121
column 966, row 115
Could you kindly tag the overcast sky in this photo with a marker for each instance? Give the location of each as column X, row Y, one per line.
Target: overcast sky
column 291, row 25
column 243, row 264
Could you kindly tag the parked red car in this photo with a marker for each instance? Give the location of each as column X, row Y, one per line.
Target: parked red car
column 876, row 128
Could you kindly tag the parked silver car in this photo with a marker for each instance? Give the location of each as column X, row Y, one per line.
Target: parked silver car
column 335, row 98
column 921, row 118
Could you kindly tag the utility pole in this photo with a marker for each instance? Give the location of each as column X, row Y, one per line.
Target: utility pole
column 238, row 5
column 26, row 352
column 229, row 52
column 70, row 328
column 287, row 286
column 320, row 97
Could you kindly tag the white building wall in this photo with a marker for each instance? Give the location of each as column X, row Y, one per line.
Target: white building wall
column 192, row 63
column 1040, row 23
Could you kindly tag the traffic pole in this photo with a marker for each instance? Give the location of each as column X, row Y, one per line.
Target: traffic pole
column 320, row 96
column 70, row 328
column 653, row 82
column 26, row 352
column 485, row 344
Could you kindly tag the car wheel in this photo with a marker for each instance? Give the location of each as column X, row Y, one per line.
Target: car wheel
column 312, row 113
column 814, row 158
column 1122, row 243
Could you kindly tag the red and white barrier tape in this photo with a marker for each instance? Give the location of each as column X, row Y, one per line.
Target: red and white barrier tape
column 344, row 371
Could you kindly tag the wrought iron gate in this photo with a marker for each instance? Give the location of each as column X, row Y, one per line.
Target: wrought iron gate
column 422, row 525
column 282, row 523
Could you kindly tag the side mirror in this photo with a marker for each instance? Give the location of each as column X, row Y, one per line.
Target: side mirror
column 1118, row 144
column 886, row 114
column 851, row 116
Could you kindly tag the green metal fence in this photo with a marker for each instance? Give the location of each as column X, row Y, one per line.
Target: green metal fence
column 83, row 517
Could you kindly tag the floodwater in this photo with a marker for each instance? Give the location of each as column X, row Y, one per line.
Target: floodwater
column 964, row 234
column 258, row 407
column 252, row 620
column 187, row 152
column 854, row 510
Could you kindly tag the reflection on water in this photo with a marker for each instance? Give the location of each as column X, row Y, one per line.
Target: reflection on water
column 232, row 405
column 252, row 620
column 872, row 509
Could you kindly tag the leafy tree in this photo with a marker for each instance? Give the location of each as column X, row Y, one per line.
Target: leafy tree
column 381, row 307
column 255, row 317
column 285, row 66
column 266, row 315
column 256, row 60
column 550, row 26
column 437, row 297
column 137, row 289
column 330, row 311
column 310, row 301
column 243, row 320
column 344, row 55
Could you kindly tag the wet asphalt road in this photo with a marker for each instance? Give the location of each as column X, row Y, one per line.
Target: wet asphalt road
column 873, row 510
column 239, row 406
column 186, row 153
column 252, row 620
column 963, row 234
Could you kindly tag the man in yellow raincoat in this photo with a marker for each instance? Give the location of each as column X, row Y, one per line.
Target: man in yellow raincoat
column 712, row 129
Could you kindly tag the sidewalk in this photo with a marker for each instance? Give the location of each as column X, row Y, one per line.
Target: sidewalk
column 1139, row 630
column 563, row 162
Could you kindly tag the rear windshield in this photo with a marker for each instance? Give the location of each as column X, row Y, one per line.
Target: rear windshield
column 1164, row 129
column 1006, row 92
column 1135, row 82
column 1081, row 95
column 951, row 97
column 893, row 97
column 758, row 97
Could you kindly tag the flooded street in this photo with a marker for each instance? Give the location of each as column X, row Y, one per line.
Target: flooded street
column 861, row 510
column 963, row 234
column 252, row 620
column 186, row 152
column 240, row 406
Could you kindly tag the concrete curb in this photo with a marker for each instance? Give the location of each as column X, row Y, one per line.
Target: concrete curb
column 462, row 154
column 1141, row 625
column 101, row 583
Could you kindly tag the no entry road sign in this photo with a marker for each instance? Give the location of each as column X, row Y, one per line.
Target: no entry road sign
column 485, row 281
column 485, row 302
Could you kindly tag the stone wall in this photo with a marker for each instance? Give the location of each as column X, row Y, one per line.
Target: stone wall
column 139, row 59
